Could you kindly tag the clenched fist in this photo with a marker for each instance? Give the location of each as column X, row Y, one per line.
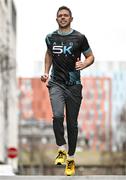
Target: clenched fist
column 44, row 77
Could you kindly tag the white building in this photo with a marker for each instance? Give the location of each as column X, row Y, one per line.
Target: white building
column 8, row 84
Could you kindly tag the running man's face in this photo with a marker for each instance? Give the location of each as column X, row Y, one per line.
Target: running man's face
column 64, row 19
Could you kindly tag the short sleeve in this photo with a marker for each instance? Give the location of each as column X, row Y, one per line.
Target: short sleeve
column 47, row 40
column 85, row 47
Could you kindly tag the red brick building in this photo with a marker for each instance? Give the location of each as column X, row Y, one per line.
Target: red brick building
column 34, row 100
column 95, row 113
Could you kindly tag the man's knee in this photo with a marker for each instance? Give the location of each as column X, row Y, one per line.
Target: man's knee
column 58, row 122
column 58, row 114
column 58, row 118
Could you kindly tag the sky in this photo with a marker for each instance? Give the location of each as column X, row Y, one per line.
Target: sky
column 102, row 22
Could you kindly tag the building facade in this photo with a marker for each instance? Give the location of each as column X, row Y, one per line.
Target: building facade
column 8, row 81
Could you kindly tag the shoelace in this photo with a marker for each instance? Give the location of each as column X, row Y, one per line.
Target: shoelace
column 60, row 155
column 69, row 165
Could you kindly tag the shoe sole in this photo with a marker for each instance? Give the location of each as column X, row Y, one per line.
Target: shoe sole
column 60, row 164
column 70, row 174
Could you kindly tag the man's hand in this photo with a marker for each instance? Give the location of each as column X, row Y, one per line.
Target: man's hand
column 44, row 77
column 79, row 64
column 89, row 59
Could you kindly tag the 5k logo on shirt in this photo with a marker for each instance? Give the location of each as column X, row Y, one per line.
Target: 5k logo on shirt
column 62, row 49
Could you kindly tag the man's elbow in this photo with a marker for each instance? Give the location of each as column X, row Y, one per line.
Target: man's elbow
column 92, row 59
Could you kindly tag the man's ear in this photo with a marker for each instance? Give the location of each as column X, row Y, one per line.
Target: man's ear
column 71, row 19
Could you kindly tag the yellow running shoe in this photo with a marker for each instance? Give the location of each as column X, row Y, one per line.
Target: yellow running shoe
column 61, row 158
column 70, row 168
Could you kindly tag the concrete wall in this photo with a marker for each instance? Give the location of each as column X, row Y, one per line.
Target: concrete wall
column 8, row 82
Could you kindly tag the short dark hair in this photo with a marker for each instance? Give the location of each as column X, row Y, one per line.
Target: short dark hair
column 66, row 8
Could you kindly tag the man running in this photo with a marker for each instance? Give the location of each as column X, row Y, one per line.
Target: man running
column 64, row 49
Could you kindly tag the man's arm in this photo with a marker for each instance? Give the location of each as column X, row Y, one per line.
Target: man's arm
column 89, row 59
column 48, row 63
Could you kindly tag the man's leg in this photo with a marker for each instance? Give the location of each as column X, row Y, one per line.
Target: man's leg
column 57, row 103
column 72, row 110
